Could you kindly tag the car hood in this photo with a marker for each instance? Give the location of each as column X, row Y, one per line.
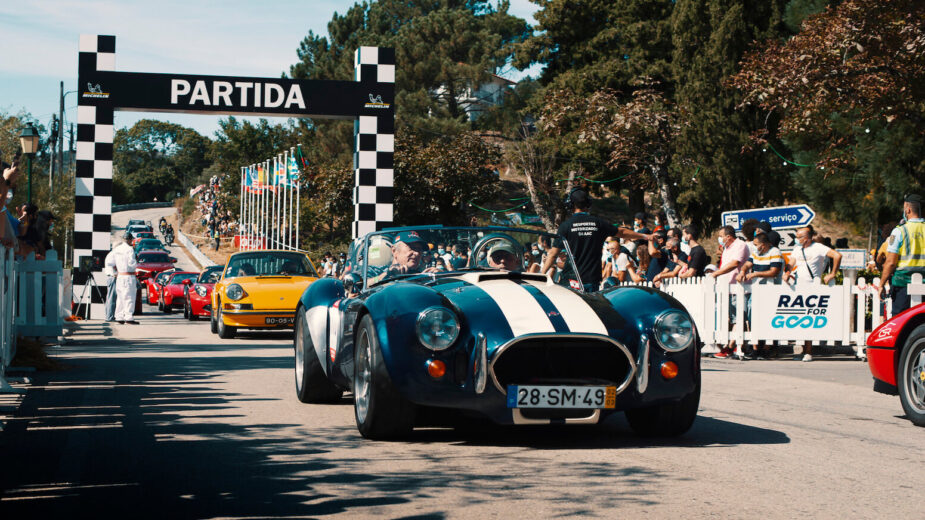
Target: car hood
column 155, row 266
column 506, row 305
column 272, row 292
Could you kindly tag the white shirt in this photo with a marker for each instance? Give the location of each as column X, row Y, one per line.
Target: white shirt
column 122, row 259
column 621, row 262
column 815, row 259
column 108, row 264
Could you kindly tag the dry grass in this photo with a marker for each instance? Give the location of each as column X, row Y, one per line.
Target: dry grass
column 30, row 352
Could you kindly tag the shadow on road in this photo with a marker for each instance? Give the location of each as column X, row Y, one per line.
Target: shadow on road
column 144, row 435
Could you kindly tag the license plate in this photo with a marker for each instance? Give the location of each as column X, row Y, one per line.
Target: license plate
column 285, row 320
column 521, row 396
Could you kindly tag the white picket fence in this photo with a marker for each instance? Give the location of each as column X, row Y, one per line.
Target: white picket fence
column 781, row 313
column 30, row 302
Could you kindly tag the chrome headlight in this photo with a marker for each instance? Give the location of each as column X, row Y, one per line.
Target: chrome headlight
column 201, row 291
column 674, row 330
column 437, row 328
column 234, row 292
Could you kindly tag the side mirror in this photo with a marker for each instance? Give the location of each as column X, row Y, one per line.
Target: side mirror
column 187, row 282
column 353, row 283
column 173, row 260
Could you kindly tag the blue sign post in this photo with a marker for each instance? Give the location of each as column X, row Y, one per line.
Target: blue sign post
column 781, row 217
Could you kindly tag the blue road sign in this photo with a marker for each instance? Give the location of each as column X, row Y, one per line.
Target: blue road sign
column 781, row 217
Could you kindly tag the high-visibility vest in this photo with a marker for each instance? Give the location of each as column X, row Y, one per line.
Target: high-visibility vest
column 912, row 250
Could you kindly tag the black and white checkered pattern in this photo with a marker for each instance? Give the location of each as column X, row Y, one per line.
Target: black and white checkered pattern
column 93, row 190
column 374, row 150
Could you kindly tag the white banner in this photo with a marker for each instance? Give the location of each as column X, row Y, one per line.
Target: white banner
column 800, row 312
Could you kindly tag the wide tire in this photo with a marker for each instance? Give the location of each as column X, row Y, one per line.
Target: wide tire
column 910, row 376
column 167, row 308
column 380, row 410
column 311, row 383
column 160, row 305
column 666, row 420
column 189, row 311
column 213, row 325
column 224, row 331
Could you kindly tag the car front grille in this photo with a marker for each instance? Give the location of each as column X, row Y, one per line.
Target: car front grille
column 562, row 360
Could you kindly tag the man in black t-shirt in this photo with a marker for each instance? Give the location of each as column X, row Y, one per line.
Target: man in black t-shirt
column 585, row 235
column 697, row 260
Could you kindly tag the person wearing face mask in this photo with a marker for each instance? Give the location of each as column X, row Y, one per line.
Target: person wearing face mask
column 445, row 254
column 905, row 254
column 9, row 227
column 697, row 258
column 806, row 265
column 735, row 254
column 764, row 266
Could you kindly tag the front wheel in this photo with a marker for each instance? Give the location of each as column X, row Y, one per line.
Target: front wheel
column 666, row 420
column 311, row 384
column 167, row 307
column 224, row 331
column 380, row 410
column 213, row 326
column 910, row 376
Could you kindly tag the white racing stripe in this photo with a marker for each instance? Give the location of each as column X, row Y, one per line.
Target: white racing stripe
column 578, row 315
column 520, row 308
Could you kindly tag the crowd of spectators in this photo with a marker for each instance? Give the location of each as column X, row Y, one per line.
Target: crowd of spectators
column 213, row 215
column 26, row 228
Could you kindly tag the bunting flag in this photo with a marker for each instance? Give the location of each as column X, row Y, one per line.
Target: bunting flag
column 293, row 176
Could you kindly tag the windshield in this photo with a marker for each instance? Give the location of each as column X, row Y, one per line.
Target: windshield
column 269, row 263
column 180, row 277
column 153, row 258
column 391, row 254
column 149, row 243
column 211, row 274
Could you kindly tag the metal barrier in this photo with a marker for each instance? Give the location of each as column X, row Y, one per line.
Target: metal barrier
column 776, row 313
column 7, row 293
column 39, row 291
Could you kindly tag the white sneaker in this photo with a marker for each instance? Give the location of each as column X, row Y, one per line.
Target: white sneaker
column 807, row 357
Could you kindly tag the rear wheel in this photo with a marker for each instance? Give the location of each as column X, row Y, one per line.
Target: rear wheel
column 910, row 376
column 380, row 410
column 213, row 326
column 224, row 331
column 666, row 420
column 311, row 384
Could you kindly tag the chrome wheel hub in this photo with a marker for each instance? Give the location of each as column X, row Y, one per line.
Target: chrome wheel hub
column 915, row 389
column 362, row 380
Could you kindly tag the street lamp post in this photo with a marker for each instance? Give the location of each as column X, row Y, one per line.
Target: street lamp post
column 29, row 140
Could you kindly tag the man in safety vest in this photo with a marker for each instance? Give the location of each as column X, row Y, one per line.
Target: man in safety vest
column 905, row 253
column 122, row 261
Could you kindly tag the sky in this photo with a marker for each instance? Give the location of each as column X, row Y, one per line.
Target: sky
column 38, row 45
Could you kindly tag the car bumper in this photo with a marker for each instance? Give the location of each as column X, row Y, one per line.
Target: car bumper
column 200, row 307
column 882, row 363
column 256, row 319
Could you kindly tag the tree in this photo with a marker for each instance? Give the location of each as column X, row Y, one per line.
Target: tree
column 157, row 159
column 720, row 170
column 848, row 85
column 640, row 133
column 436, row 179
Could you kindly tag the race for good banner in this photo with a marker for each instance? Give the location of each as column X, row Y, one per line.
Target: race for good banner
column 800, row 312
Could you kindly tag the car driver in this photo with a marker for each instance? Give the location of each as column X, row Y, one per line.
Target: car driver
column 503, row 256
column 408, row 254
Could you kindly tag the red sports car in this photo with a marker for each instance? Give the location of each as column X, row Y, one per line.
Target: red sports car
column 141, row 235
column 152, row 262
column 199, row 293
column 172, row 291
column 154, row 284
column 896, row 354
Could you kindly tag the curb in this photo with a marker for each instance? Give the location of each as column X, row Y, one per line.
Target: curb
column 203, row 260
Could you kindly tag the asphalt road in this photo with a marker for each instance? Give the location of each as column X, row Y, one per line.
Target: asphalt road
column 167, row 420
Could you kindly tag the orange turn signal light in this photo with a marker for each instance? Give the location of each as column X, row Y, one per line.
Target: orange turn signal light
column 669, row 370
column 436, row 368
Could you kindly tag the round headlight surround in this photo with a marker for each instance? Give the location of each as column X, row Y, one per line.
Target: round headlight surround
column 671, row 325
column 437, row 328
column 201, row 291
column 234, row 292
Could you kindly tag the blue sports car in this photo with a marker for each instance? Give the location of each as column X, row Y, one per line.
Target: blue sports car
column 434, row 322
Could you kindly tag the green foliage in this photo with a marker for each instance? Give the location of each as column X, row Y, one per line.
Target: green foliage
column 435, row 179
column 157, row 159
column 718, row 169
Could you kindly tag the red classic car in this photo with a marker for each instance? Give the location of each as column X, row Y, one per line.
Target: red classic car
column 199, row 293
column 172, row 294
column 896, row 354
column 152, row 262
column 153, row 286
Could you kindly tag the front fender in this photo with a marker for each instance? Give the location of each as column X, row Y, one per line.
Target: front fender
column 394, row 311
column 315, row 303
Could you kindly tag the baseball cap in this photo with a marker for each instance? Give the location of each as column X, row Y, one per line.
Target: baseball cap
column 409, row 237
column 502, row 245
column 764, row 226
column 913, row 197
